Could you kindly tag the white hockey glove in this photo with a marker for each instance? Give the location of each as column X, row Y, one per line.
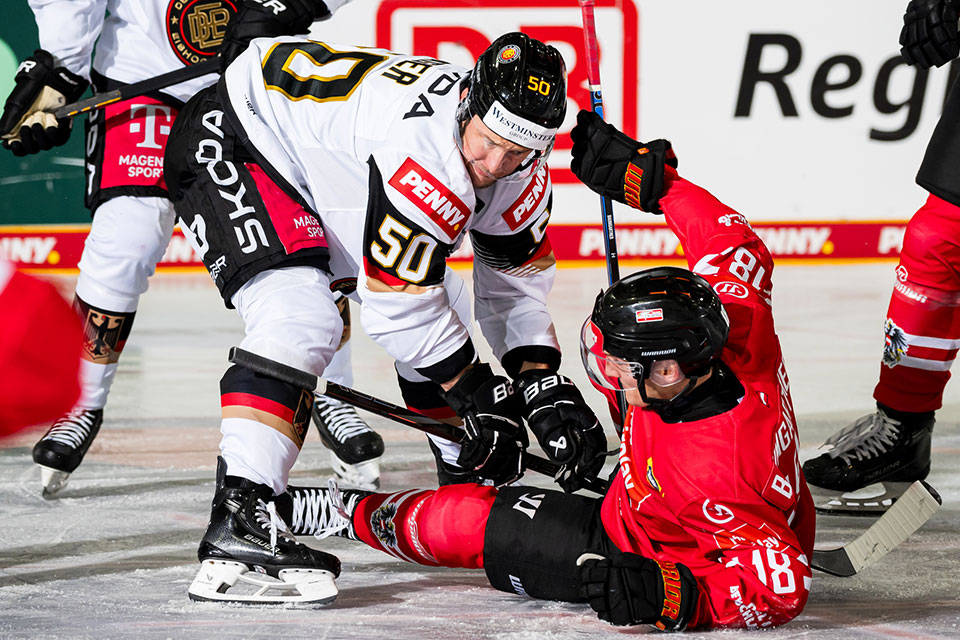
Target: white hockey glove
column 27, row 124
column 566, row 428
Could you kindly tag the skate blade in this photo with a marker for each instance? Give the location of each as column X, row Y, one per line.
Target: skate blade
column 870, row 501
column 233, row 582
column 53, row 481
column 363, row 475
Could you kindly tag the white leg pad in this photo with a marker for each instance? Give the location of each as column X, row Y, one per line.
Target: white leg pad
column 231, row 581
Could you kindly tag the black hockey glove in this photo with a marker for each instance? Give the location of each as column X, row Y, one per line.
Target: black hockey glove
column 930, row 36
column 268, row 19
column 629, row 589
column 27, row 124
column 616, row 166
column 490, row 411
column 567, row 429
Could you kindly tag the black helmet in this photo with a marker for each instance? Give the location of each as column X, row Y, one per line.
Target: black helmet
column 519, row 89
column 665, row 313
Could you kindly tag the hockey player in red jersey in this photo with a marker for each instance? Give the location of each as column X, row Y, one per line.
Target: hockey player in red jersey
column 126, row 192
column 922, row 327
column 708, row 522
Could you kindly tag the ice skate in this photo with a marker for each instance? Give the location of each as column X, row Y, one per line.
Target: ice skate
column 322, row 512
column 870, row 463
column 249, row 556
column 355, row 448
column 60, row 451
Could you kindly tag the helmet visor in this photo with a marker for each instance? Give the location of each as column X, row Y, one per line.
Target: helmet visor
column 605, row 370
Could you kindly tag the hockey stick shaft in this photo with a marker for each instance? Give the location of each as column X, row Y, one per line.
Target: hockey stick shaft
column 379, row 407
column 592, row 51
column 911, row 510
column 101, row 100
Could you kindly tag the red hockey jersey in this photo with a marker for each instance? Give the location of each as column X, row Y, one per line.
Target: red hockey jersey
column 725, row 495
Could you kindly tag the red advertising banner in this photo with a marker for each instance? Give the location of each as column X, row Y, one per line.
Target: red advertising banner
column 57, row 248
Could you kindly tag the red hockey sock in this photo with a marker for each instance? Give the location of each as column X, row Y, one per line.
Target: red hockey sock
column 442, row 527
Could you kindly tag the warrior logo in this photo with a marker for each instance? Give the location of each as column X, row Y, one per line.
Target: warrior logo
column 104, row 336
column 381, row 523
column 195, row 28
column 894, row 345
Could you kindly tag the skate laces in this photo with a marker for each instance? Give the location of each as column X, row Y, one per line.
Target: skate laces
column 340, row 420
column 866, row 438
column 320, row 510
column 73, row 428
column 268, row 519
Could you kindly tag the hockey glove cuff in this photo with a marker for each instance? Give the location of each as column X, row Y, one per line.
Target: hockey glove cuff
column 262, row 19
column 929, row 36
column 27, row 124
column 490, row 411
column 615, row 165
column 629, row 589
column 566, row 428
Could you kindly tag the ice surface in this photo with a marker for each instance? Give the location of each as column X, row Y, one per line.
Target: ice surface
column 113, row 556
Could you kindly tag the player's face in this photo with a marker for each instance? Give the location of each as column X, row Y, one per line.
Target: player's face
column 663, row 382
column 487, row 155
column 618, row 368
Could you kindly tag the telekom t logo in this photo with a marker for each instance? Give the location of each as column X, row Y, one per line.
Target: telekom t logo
column 436, row 28
column 150, row 126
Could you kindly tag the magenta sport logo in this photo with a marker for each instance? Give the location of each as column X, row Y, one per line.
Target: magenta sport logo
column 458, row 31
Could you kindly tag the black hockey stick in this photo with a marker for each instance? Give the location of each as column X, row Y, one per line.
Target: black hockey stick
column 908, row 513
column 382, row 408
column 592, row 50
column 100, row 100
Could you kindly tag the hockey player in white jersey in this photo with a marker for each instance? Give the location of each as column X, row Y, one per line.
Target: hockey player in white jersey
column 133, row 218
column 313, row 168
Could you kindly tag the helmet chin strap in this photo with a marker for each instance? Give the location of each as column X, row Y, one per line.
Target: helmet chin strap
column 664, row 408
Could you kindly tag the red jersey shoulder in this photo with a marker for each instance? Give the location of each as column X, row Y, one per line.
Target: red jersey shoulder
column 428, row 193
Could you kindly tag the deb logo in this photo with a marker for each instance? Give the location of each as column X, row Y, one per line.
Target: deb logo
column 439, row 29
column 733, row 289
column 716, row 512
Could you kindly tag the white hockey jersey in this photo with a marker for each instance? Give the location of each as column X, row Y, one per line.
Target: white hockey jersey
column 369, row 139
column 139, row 39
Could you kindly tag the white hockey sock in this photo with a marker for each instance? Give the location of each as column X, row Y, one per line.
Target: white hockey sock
column 256, row 452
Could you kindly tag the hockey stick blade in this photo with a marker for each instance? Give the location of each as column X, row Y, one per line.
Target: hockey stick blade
column 379, row 407
column 908, row 513
column 126, row 92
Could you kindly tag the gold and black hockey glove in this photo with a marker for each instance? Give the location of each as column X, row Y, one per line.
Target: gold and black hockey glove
column 491, row 413
column 615, row 165
column 41, row 86
column 929, row 36
column 627, row 589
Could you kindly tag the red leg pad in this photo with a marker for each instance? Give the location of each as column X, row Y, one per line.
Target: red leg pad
column 442, row 527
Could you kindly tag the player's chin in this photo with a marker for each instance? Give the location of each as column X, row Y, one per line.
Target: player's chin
column 481, row 179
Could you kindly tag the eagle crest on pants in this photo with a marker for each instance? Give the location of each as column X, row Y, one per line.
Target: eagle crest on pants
column 895, row 344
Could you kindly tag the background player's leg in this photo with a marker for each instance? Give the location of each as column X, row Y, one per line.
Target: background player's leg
column 922, row 335
column 127, row 238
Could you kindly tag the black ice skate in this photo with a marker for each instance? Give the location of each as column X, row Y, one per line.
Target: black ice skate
column 319, row 511
column 247, row 543
column 888, row 447
column 61, row 450
column 355, row 448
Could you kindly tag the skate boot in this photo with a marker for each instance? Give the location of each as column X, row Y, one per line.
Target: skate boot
column 61, row 450
column 319, row 511
column 247, row 543
column 888, row 447
column 355, row 448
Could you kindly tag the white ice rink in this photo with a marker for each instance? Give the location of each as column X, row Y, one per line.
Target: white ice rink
column 113, row 556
